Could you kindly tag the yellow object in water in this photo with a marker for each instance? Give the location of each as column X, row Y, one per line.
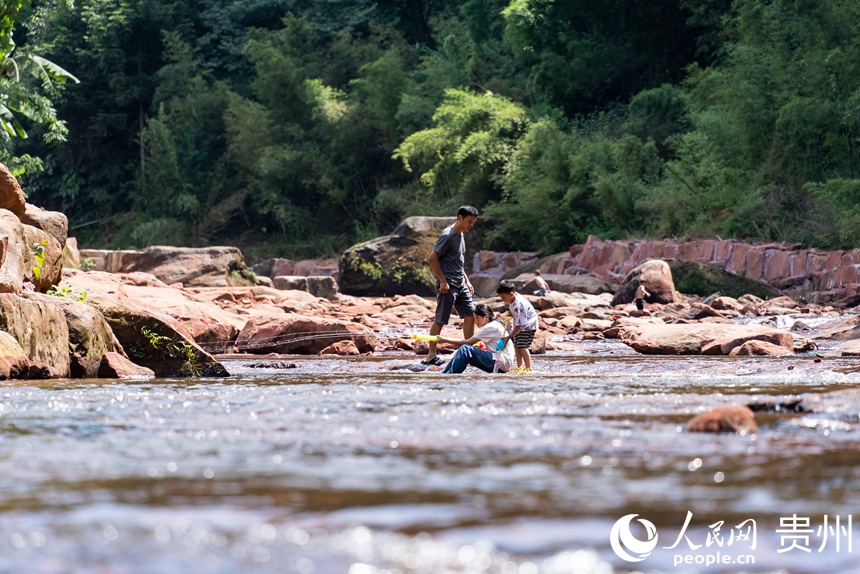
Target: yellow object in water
column 421, row 337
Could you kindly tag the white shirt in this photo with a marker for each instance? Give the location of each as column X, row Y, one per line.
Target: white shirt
column 523, row 313
column 490, row 335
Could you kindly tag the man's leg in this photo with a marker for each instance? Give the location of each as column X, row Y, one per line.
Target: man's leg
column 435, row 329
column 468, row 327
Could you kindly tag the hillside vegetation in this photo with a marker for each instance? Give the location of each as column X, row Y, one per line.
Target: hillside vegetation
column 298, row 127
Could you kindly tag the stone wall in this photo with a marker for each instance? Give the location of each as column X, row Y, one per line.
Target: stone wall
column 832, row 275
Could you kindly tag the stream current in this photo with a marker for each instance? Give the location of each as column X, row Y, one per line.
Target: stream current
column 361, row 466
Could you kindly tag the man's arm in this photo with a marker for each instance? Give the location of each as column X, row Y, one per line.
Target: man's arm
column 437, row 270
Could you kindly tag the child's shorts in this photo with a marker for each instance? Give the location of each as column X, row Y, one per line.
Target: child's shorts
column 523, row 339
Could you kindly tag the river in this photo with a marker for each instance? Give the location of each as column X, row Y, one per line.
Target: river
column 357, row 466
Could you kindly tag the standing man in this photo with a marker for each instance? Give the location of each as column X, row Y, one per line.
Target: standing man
column 639, row 296
column 453, row 288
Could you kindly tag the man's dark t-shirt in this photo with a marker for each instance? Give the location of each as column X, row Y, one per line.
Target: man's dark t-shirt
column 451, row 248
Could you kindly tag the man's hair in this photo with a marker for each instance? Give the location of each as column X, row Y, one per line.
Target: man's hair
column 505, row 287
column 537, row 272
column 466, row 211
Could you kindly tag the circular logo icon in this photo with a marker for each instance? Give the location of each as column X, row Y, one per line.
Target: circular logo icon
column 623, row 540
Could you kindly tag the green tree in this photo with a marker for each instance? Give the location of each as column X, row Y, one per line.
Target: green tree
column 461, row 158
column 27, row 84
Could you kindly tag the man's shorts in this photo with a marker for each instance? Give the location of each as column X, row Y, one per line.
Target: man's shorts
column 456, row 297
column 523, row 339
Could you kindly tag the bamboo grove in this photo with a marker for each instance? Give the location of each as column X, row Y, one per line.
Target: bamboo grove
column 297, row 127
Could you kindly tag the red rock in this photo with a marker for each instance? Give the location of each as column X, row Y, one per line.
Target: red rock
column 755, row 262
column 845, row 275
column 689, row 339
column 116, row 366
column 345, row 348
column 658, row 281
column 723, row 250
column 727, row 303
column 776, row 266
column 621, row 251
column 300, row 334
column 486, row 260
column 797, row 263
column 14, row 363
column 737, row 418
column 11, row 194
column 738, row 262
column 760, row 348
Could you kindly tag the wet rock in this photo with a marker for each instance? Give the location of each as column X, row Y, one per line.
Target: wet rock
column 760, row 348
column 116, row 366
column 658, row 281
column 154, row 339
column 689, row 339
column 725, row 345
column 301, row 334
column 343, row 348
column 737, row 418
column 571, row 324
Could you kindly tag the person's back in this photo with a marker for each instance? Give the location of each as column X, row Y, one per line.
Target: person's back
column 542, row 285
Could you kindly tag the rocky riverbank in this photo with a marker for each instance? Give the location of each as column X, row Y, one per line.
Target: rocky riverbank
column 168, row 311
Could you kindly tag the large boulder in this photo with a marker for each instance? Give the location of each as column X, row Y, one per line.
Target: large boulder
column 210, row 326
column 11, row 194
column 658, row 281
column 204, row 266
column 54, row 223
column 395, row 264
column 40, row 329
column 90, row 336
column 689, row 339
column 155, row 340
column 27, row 255
column 299, row 334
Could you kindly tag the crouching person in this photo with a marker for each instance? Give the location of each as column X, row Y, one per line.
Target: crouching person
column 490, row 331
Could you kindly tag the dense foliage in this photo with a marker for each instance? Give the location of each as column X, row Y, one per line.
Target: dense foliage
column 299, row 127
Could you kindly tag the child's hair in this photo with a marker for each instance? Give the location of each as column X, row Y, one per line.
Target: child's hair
column 505, row 287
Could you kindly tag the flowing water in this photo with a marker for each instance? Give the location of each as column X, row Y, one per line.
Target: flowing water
column 358, row 466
